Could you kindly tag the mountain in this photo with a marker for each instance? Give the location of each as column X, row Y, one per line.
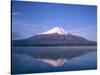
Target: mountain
column 57, row 30
column 55, row 37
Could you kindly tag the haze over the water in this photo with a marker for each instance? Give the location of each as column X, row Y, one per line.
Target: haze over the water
column 30, row 18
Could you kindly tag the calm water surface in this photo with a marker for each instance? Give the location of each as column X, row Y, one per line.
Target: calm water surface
column 51, row 59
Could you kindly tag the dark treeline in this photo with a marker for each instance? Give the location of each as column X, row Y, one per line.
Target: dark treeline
column 52, row 44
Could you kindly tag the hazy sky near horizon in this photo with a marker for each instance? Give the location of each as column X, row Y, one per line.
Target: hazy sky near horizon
column 30, row 18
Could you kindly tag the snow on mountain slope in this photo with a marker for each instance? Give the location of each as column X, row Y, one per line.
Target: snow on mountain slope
column 57, row 30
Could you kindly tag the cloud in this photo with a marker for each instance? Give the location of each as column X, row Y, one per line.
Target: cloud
column 16, row 13
column 82, row 29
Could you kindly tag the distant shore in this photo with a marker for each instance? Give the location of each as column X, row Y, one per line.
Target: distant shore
column 23, row 44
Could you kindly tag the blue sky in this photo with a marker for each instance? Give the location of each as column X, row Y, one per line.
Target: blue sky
column 30, row 18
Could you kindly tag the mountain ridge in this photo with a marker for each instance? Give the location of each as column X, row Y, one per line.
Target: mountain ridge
column 55, row 37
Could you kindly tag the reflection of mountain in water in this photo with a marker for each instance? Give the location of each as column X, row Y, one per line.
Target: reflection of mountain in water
column 23, row 63
column 55, row 63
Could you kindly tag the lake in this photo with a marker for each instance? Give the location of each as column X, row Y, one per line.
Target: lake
column 52, row 59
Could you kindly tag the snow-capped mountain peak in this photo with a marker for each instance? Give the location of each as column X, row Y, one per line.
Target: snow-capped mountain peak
column 57, row 30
